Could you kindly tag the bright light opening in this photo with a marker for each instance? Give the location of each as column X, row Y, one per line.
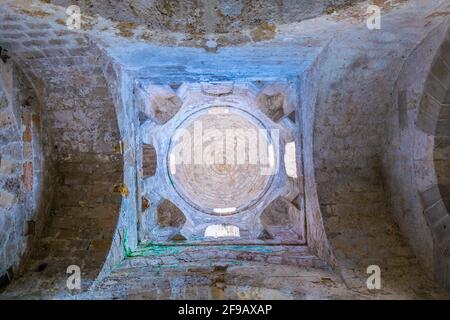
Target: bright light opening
column 224, row 210
column 290, row 162
column 222, row 231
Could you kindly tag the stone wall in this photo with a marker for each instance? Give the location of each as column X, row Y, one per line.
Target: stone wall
column 66, row 70
column 24, row 176
column 441, row 72
column 416, row 161
column 316, row 236
column 353, row 98
column 201, row 17
column 125, row 235
column 85, row 83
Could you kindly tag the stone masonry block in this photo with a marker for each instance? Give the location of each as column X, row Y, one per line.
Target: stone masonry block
column 27, row 136
column 27, row 177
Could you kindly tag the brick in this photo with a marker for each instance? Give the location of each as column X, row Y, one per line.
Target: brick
column 65, row 32
column 36, row 118
column 55, row 52
column 32, row 54
column 12, row 27
column 38, row 34
column 35, row 43
column 27, row 134
column 38, row 25
column 27, row 176
column 11, row 17
column 145, row 203
column 81, row 51
column 58, row 42
column 91, row 69
column 81, row 41
column 12, row 45
column 73, row 61
column 12, row 35
column 37, row 64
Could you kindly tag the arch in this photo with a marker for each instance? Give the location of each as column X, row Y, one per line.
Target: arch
column 85, row 162
column 433, row 119
column 24, row 181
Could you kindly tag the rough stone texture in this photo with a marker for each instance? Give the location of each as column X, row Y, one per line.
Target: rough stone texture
column 367, row 155
column 66, row 71
column 231, row 272
column 200, row 17
column 415, row 160
column 348, row 150
column 23, row 198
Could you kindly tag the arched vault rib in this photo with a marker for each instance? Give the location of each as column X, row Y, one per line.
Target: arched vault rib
column 66, row 71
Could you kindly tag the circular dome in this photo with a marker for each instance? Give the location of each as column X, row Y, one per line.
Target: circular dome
column 218, row 160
